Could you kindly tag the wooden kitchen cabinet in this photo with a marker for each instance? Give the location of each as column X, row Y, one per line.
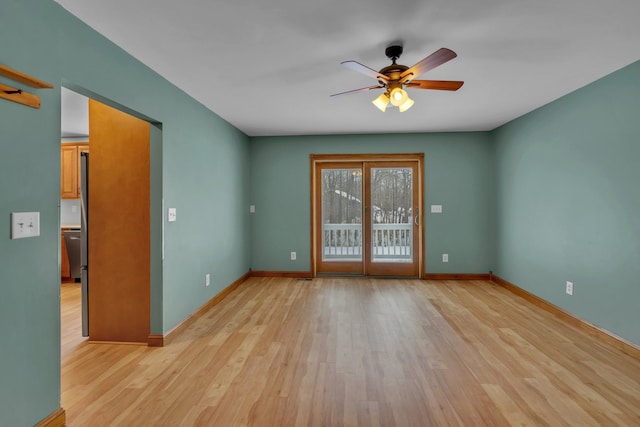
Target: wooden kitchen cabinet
column 70, row 169
column 69, row 181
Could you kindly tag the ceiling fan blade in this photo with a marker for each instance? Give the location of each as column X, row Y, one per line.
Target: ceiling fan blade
column 435, row 84
column 356, row 66
column 364, row 89
column 437, row 58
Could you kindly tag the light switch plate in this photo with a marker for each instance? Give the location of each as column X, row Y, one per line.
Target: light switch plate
column 252, row 209
column 25, row 224
column 172, row 215
column 436, row 208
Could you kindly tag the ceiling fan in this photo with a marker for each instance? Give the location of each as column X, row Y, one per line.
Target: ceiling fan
column 395, row 77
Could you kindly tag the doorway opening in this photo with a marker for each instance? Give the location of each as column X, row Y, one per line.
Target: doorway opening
column 124, row 211
column 367, row 215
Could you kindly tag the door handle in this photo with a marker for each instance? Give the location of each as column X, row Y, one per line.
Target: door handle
column 416, row 220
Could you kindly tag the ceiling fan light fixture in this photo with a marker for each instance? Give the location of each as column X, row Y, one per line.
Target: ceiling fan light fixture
column 381, row 102
column 406, row 105
column 393, row 78
column 398, row 96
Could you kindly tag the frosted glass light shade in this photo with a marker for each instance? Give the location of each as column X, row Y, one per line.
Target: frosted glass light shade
column 406, row 105
column 398, row 97
column 381, row 102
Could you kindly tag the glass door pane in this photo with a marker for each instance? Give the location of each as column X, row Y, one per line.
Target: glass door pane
column 342, row 215
column 392, row 227
column 392, row 215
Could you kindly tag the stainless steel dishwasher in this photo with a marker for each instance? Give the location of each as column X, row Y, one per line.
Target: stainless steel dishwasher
column 72, row 242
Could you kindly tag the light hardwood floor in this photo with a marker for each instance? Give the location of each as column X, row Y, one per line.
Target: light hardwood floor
column 354, row 352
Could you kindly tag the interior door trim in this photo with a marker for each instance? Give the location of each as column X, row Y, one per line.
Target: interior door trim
column 316, row 159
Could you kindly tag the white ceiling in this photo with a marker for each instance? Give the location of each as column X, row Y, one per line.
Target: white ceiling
column 269, row 66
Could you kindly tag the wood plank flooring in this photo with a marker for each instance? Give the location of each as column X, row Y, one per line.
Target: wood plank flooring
column 354, row 352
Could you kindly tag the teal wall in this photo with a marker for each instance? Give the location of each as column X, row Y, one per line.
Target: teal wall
column 199, row 166
column 458, row 175
column 568, row 202
column 547, row 198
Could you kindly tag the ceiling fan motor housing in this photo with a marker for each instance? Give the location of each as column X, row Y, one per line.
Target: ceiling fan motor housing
column 394, row 70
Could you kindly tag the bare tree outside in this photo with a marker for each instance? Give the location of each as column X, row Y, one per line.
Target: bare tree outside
column 392, row 214
column 342, row 196
column 391, row 195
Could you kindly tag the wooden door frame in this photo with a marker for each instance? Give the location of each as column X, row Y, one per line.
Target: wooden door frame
column 316, row 159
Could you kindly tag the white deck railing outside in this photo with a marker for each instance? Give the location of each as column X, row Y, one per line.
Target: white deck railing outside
column 343, row 242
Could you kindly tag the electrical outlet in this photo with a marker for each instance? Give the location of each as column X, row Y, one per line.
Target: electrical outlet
column 569, row 288
column 207, row 279
column 445, row 257
column 293, row 256
column 252, row 208
column 172, row 215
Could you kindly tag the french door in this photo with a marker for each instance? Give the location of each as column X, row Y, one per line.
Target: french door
column 367, row 215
